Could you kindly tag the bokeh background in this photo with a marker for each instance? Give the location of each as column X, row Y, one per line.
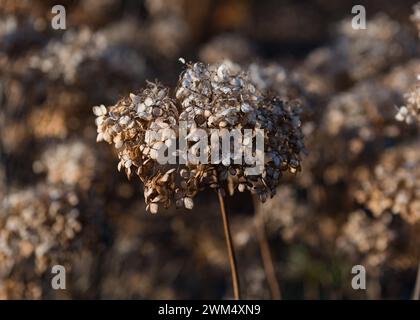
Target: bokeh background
column 62, row 201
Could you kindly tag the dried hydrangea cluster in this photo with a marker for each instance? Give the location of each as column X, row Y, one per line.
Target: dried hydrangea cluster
column 367, row 237
column 8, row 25
column 394, row 184
column 415, row 17
column 49, row 123
column 367, row 51
column 410, row 113
column 71, row 164
column 275, row 79
column 37, row 223
column 65, row 58
column 219, row 96
column 357, row 124
column 360, row 111
column 355, row 55
column 83, row 52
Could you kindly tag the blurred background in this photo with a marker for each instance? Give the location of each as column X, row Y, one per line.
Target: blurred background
column 62, row 201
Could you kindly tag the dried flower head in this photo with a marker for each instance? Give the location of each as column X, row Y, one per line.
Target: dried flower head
column 410, row 113
column 357, row 124
column 366, row 238
column 360, row 110
column 71, row 164
column 36, row 223
column 219, row 96
column 415, row 17
column 66, row 58
column 48, row 124
column 393, row 185
column 355, row 54
column 367, row 52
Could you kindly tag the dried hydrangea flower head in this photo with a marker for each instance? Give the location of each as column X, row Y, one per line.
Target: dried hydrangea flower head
column 223, row 96
column 277, row 80
column 65, row 58
column 367, row 52
column 366, row 238
column 357, row 125
column 38, row 222
column 394, row 184
column 415, row 17
column 83, row 53
column 355, row 54
column 126, row 125
column 219, row 96
column 360, row 110
column 208, row 97
column 410, row 112
column 71, row 164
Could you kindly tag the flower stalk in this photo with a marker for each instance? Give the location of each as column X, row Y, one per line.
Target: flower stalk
column 229, row 246
column 266, row 256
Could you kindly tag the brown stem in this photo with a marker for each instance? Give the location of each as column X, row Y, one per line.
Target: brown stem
column 266, row 254
column 416, row 293
column 229, row 245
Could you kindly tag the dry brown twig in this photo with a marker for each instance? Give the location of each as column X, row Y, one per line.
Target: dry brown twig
column 266, row 256
column 416, row 292
column 229, row 245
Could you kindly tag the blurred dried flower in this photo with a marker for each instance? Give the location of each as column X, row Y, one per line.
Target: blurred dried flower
column 36, row 223
column 355, row 55
column 415, row 17
column 13, row 136
column 161, row 7
column 71, row 164
column 366, row 238
column 367, row 52
column 360, row 110
column 393, row 185
column 48, row 124
column 410, row 113
column 66, row 58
